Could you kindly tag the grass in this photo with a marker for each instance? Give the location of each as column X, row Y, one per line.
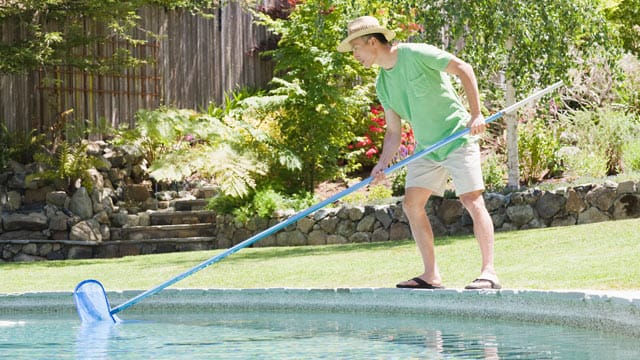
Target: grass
column 601, row 256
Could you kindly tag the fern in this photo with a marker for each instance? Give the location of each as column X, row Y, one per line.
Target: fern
column 68, row 165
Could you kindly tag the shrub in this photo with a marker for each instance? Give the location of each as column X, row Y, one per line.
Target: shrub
column 599, row 138
column 537, row 148
column 494, row 172
column 631, row 155
column 261, row 203
column 376, row 194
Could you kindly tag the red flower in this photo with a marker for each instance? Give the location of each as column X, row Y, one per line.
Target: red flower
column 371, row 152
column 375, row 129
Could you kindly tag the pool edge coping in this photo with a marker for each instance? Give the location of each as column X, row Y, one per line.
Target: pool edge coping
column 609, row 311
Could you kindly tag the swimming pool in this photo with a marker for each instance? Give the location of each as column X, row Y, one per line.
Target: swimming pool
column 328, row 324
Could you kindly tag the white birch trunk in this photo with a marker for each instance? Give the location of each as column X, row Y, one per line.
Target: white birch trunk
column 513, row 163
column 511, row 120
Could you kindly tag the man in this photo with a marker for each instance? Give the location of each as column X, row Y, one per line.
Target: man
column 413, row 84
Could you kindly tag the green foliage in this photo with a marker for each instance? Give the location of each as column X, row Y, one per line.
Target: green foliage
column 600, row 137
column 321, row 90
column 397, row 185
column 19, row 146
column 494, row 172
column 537, row 149
column 263, row 203
column 631, row 155
column 628, row 90
column 527, row 41
column 626, row 17
column 67, row 167
column 218, row 145
column 376, row 194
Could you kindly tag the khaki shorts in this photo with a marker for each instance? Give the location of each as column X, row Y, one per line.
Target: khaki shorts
column 463, row 164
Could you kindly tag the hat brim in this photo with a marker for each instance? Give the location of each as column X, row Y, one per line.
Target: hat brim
column 345, row 45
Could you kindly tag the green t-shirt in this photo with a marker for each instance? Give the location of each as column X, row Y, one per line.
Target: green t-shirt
column 420, row 92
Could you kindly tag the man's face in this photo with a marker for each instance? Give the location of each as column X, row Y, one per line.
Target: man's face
column 363, row 50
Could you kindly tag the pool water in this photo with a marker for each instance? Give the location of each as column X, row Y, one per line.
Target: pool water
column 307, row 335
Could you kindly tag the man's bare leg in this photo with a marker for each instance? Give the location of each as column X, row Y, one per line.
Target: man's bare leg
column 483, row 231
column 414, row 203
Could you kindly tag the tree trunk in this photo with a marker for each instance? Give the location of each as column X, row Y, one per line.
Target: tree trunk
column 513, row 162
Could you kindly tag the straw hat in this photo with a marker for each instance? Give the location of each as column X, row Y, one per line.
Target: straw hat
column 361, row 26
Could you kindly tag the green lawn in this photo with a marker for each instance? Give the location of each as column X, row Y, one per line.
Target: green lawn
column 597, row 256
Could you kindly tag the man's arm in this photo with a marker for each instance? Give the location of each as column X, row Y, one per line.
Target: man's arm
column 392, row 140
column 465, row 72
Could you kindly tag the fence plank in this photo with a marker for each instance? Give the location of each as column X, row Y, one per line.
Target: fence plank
column 196, row 61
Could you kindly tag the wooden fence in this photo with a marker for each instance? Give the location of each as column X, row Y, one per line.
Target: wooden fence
column 196, row 61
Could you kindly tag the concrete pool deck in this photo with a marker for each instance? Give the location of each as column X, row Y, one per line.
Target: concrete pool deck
column 608, row 311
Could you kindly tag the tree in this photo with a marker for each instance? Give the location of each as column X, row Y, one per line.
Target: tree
column 626, row 16
column 527, row 43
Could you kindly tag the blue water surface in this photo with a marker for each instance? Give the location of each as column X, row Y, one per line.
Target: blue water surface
column 305, row 335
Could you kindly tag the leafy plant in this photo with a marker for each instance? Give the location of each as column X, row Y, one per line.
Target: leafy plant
column 19, row 146
column 262, row 203
column 494, row 172
column 631, row 155
column 218, row 145
column 322, row 95
column 67, row 167
column 537, row 148
column 600, row 137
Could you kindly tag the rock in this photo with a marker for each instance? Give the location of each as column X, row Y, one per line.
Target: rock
column 626, row 207
column 36, row 196
column 550, row 204
column 88, row 230
column 355, row 213
column 17, row 221
column 359, row 237
column 383, row 216
column 80, row 252
column 317, row 237
column 602, row 197
column 14, row 201
column 329, row 224
column 380, row 235
column 399, row 231
column 450, row 211
column 345, row 228
column 564, row 221
column 22, row 235
column 27, row 258
column 336, row 239
column 81, row 204
column 627, row 187
column 592, row 215
column 366, row 224
column 291, row 238
column 57, row 198
column 305, row 225
column 574, row 203
column 137, row 193
column 493, row 201
column 520, row 214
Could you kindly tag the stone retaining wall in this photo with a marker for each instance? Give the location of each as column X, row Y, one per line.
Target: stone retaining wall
column 56, row 233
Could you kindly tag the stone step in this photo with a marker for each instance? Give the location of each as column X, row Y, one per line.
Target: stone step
column 190, row 205
column 121, row 248
column 182, row 217
column 38, row 250
column 163, row 231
